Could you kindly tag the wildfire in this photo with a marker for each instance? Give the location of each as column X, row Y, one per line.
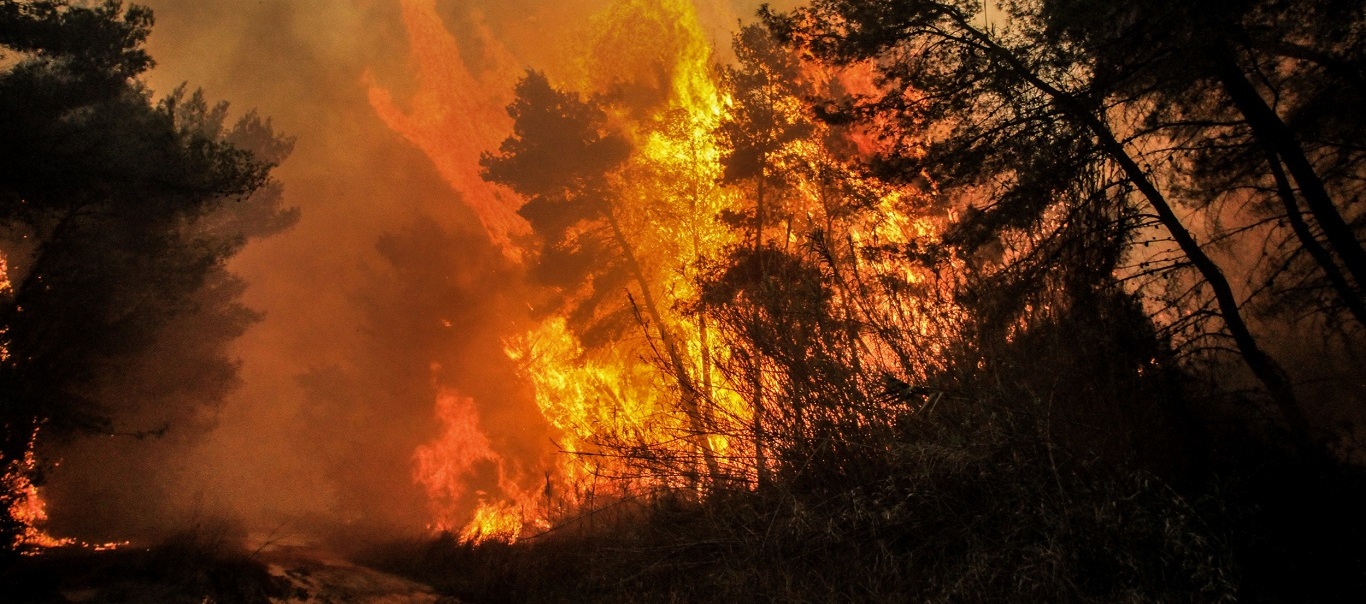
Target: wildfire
column 4, row 275
column 5, row 290
column 27, row 506
column 443, row 467
column 446, row 467
column 501, row 521
column 611, row 393
column 457, row 114
column 657, row 388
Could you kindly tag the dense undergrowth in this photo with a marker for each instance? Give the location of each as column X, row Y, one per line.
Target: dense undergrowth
column 977, row 509
column 1077, row 460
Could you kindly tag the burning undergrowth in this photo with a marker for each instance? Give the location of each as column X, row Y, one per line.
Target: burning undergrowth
column 633, row 184
column 770, row 347
column 830, row 321
column 425, row 418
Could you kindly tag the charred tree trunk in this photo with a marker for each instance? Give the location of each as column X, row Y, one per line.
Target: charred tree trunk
column 1265, row 368
column 756, row 377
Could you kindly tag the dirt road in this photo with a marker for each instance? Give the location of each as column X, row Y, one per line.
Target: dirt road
column 322, row 578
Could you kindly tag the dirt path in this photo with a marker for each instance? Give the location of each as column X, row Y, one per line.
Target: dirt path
column 322, row 578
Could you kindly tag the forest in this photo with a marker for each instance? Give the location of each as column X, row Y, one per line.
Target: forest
column 890, row 300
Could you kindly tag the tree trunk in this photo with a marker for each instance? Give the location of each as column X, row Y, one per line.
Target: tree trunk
column 1350, row 298
column 696, row 422
column 1263, row 367
column 1271, row 132
column 755, row 376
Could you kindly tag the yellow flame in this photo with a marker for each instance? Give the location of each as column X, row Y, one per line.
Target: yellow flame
column 499, row 521
column 652, row 58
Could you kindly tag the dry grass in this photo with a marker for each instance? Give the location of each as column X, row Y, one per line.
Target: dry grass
column 983, row 513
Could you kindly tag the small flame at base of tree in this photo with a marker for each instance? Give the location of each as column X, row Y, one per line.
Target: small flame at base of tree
column 28, row 510
column 26, row 505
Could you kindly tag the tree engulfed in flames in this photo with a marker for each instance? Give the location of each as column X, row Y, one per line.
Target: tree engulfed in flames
column 626, row 420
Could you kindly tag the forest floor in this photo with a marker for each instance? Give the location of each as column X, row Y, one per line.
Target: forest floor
column 198, row 571
column 318, row 576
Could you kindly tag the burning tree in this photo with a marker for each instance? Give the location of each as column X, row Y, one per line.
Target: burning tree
column 560, row 158
column 914, row 293
column 659, row 193
column 662, row 206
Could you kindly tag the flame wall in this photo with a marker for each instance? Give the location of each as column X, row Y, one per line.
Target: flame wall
column 391, row 300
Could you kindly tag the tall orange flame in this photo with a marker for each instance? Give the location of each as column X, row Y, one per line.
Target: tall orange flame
column 444, row 466
column 652, row 58
column 456, row 114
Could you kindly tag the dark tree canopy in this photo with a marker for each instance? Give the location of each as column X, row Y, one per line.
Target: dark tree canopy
column 1081, row 129
column 118, row 214
column 559, row 157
